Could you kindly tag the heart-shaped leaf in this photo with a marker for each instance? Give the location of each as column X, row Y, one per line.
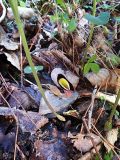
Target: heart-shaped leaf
column 101, row 19
column 72, row 25
column 28, row 69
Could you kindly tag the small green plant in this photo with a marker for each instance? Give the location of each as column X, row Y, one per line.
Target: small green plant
column 28, row 69
column 64, row 16
column 108, row 156
column 91, row 65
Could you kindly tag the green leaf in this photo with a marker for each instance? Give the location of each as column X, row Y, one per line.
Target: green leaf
column 94, row 67
column 72, row 25
column 87, row 68
column 115, row 60
column 102, row 19
column 92, row 59
column 28, row 69
column 108, row 156
column 61, row 3
column 55, row 18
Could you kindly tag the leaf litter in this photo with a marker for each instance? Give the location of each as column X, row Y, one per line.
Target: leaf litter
column 58, row 44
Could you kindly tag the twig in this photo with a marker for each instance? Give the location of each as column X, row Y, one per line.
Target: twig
column 105, row 141
column 91, row 108
column 92, row 140
column 22, row 154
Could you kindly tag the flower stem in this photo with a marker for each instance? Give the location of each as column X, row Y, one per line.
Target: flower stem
column 14, row 6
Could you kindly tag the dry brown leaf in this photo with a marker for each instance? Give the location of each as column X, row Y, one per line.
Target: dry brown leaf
column 83, row 142
column 24, row 12
column 89, row 155
column 55, row 90
column 54, row 149
column 72, row 113
column 105, row 78
column 13, row 59
column 65, row 60
column 111, row 137
column 27, row 121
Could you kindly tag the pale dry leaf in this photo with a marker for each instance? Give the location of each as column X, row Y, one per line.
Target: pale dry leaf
column 24, row 12
column 83, row 142
column 81, row 20
column 111, row 137
column 6, row 42
column 105, row 78
column 9, row 45
column 100, row 78
column 107, row 97
column 13, row 59
column 55, row 90
column 89, row 155
column 58, row 103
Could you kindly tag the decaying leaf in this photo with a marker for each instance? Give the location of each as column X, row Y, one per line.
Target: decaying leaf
column 59, row 104
column 13, row 59
column 83, row 142
column 107, row 97
column 105, row 79
column 6, row 42
column 61, row 55
column 111, row 137
column 90, row 155
column 72, row 113
column 24, row 12
column 20, row 99
column 55, row 90
column 54, row 149
column 27, row 121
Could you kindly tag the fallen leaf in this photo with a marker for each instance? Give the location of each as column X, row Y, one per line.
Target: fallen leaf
column 105, row 78
column 111, row 137
column 6, row 42
column 54, row 149
column 55, row 90
column 83, row 142
column 58, row 103
column 13, row 59
column 72, row 113
column 27, row 121
column 24, row 12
